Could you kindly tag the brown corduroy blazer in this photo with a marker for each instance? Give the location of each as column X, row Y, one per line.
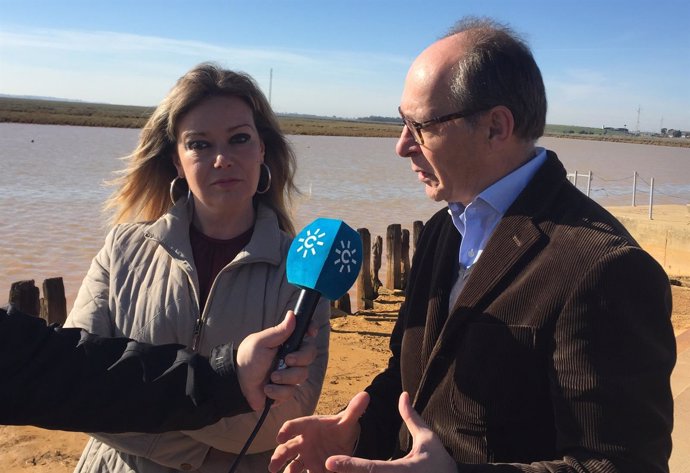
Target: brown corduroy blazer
column 557, row 355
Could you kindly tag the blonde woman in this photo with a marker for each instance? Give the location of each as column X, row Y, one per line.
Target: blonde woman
column 197, row 256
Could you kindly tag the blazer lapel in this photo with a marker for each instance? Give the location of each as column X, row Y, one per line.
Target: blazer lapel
column 514, row 239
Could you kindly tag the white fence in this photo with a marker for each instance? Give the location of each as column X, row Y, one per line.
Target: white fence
column 577, row 177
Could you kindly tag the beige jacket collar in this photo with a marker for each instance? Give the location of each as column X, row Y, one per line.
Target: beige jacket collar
column 172, row 232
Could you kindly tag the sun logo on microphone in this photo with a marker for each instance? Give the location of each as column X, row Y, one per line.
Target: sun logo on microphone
column 310, row 242
column 346, row 256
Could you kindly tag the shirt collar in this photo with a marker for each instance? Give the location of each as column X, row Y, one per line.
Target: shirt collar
column 501, row 194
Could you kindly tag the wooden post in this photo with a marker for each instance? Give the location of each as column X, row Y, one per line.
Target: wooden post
column 343, row 304
column 53, row 303
column 376, row 252
column 393, row 237
column 405, row 258
column 417, row 227
column 365, row 287
column 24, row 296
column 634, row 187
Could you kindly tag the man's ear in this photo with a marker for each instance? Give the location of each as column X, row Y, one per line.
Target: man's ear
column 501, row 123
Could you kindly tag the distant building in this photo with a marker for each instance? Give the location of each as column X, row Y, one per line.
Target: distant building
column 610, row 129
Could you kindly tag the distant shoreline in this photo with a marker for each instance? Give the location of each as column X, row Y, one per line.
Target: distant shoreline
column 48, row 112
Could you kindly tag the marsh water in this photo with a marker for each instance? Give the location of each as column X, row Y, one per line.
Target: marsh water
column 53, row 187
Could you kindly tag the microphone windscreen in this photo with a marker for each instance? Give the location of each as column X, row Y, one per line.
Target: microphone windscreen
column 325, row 256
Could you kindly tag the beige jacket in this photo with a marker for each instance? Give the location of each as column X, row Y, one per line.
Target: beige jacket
column 143, row 284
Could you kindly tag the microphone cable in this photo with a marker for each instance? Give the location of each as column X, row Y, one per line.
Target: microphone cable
column 257, row 427
column 304, row 309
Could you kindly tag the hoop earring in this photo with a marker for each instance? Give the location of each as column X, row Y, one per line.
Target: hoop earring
column 173, row 183
column 268, row 179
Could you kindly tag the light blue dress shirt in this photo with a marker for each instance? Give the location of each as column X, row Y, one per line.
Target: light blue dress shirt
column 477, row 221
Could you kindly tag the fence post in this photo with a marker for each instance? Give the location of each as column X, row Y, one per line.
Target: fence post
column 575, row 179
column 343, row 303
column 405, row 258
column 634, row 187
column 53, row 303
column 393, row 237
column 24, row 296
column 589, row 182
column 651, row 198
column 377, row 250
column 365, row 287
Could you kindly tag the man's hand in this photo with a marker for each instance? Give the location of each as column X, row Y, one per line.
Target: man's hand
column 427, row 454
column 307, row 442
column 256, row 357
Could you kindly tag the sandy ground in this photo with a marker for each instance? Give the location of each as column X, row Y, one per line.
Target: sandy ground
column 359, row 350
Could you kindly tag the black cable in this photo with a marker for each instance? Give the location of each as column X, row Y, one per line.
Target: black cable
column 304, row 309
column 247, row 444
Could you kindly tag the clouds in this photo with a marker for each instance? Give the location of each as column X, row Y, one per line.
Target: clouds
column 137, row 69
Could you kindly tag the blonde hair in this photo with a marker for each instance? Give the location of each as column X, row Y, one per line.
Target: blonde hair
column 143, row 192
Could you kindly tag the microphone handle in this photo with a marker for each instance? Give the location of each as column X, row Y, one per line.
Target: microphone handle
column 304, row 310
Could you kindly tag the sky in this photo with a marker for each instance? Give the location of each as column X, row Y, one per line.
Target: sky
column 605, row 63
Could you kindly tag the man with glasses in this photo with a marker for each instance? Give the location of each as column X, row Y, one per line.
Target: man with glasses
column 535, row 334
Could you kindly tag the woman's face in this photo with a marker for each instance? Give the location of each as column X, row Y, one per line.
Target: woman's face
column 219, row 152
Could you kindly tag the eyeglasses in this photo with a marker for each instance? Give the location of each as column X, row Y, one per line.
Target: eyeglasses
column 417, row 127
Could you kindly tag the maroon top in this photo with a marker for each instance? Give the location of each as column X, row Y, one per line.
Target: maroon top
column 212, row 255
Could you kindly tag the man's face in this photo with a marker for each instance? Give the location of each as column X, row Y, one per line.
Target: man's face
column 452, row 160
column 455, row 162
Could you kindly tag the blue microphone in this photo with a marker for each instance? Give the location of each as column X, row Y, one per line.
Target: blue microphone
column 324, row 260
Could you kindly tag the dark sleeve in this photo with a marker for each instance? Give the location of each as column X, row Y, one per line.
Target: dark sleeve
column 380, row 424
column 614, row 350
column 68, row 379
column 381, row 421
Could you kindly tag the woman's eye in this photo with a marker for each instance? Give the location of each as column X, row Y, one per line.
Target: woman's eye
column 240, row 138
column 196, row 145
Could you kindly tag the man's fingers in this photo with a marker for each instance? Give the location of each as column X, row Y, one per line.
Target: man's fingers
column 290, row 430
column 412, row 420
column 284, row 453
column 345, row 464
column 357, row 406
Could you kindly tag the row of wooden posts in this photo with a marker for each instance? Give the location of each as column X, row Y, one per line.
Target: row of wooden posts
column 397, row 264
column 53, row 305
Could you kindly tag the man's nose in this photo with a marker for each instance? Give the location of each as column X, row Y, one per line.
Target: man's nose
column 406, row 144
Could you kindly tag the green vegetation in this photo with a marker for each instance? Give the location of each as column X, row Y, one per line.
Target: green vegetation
column 72, row 113
column 572, row 130
column 37, row 111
